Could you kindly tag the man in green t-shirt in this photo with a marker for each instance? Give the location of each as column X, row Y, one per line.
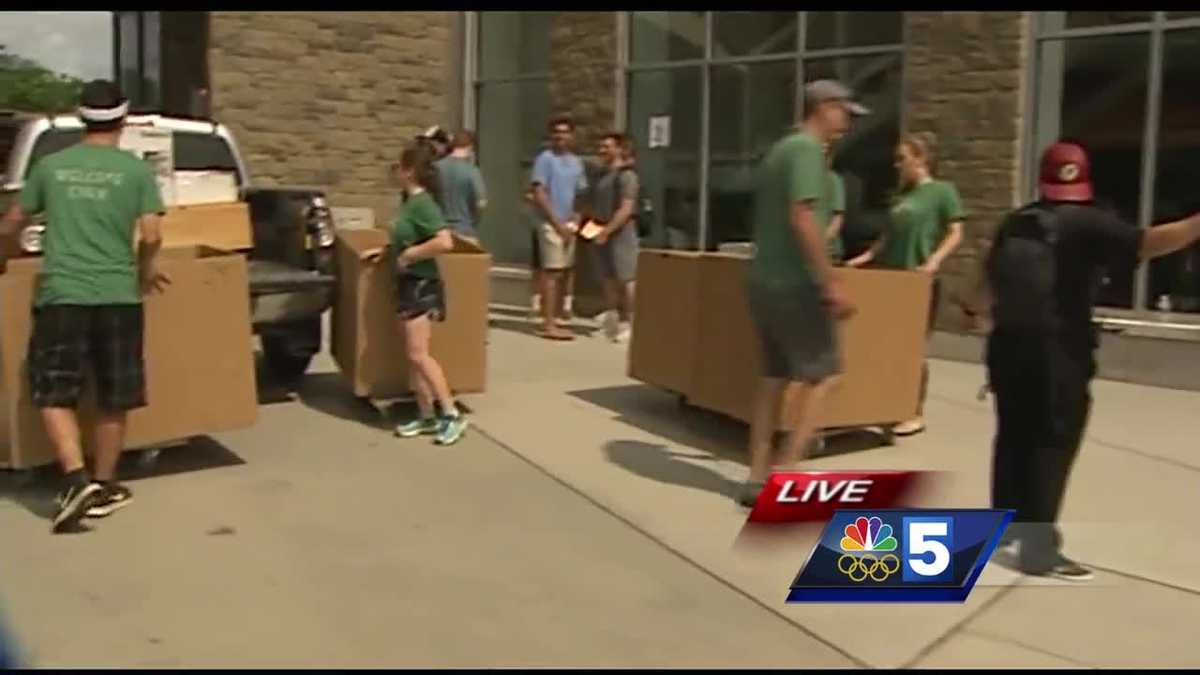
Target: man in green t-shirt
column 794, row 296
column 88, row 302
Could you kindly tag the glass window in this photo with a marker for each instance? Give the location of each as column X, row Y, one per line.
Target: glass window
column 864, row 158
column 833, row 30
column 45, row 57
column 1095, row 88
column 666, row 36
column 511, row 131
column 753, row 105
column 754, row 33
column 1183, row 15
column 202, row 152
column 1177, row 277
column 1089, row 19
column 514, row 43
column 670, row 175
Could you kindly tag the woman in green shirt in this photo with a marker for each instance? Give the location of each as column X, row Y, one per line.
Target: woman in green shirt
column 419, row 235
column 927, row 223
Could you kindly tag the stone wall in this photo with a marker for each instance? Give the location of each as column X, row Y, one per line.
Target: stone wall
column 583, row 57
column 328, row 99
column 964, row 73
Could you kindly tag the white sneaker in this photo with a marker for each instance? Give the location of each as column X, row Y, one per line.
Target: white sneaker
column 610, row 322
column 623, row 334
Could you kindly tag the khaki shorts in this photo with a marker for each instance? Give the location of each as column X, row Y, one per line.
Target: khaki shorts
column 555, row 254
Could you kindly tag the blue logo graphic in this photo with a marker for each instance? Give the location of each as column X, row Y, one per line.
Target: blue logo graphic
column 900, row 555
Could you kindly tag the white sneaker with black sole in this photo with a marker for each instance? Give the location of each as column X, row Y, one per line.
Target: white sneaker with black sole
column 73, row 504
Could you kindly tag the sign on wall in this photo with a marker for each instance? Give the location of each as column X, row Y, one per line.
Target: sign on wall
column 660, row 131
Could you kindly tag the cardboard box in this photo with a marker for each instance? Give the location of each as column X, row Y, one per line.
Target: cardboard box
column 666, row 305
column 883, row 345
column 205, row 187
column 198, row 356
column 366, row 341
column 224, row 227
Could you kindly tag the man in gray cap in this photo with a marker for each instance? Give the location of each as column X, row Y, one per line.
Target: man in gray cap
column 794, row 297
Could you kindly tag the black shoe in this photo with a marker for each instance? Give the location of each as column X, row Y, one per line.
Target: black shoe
column 73, row 504
column 749, row 494
column 112, row 497
column 1065, row 569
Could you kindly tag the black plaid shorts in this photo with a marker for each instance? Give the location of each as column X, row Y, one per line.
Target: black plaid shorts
column 417, row 296
column 68, row 338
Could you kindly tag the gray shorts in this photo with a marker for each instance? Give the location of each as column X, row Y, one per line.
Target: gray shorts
column 796, row 331
column 617, row 258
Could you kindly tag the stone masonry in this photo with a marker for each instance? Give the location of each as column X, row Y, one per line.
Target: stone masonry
column 583, row 48
column 328, row 99
column 964, row 73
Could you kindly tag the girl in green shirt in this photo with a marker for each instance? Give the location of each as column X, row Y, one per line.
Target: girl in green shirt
column 419, row 235
column 927, row 221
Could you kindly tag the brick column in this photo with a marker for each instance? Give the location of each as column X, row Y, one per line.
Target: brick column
column 583, row 56
column 964, row 76
column 329, row 99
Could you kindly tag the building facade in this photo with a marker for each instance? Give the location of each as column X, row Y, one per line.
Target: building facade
column 329, row 98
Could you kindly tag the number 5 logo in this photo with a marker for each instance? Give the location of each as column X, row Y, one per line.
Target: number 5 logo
column 927, row 542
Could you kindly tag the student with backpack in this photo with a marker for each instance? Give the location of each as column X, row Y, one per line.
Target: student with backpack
column 615, row 245
column 1039, row 284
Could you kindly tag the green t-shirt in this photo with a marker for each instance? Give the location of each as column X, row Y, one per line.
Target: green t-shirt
column 418, row 219
column 837, row 207
column 920, row 218
column 792, row 171
column 92, row 196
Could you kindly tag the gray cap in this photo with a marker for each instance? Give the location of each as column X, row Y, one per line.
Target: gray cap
column 820, row 91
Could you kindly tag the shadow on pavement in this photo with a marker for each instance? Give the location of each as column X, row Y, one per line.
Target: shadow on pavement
column 663, row 414
column 36, row 489
column 658, row 463
column 329, row 393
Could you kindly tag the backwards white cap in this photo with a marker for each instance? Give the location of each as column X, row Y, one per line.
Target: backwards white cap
column 104, row 114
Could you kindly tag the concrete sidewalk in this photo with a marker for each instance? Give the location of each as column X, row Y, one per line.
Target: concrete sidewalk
column 670, row 472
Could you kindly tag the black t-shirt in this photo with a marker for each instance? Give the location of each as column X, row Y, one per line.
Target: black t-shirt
column 1090, row 241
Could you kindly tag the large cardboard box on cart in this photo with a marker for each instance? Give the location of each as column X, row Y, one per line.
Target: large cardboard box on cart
column 366, row 343
column 198, row 357
column 706, row 338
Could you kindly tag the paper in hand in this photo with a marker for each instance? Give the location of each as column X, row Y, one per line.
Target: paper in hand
column 590, row 230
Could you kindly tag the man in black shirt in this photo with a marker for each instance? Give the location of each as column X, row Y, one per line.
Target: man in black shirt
column 1041, row 380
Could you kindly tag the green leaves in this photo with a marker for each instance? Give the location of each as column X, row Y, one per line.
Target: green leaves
column 27, row 86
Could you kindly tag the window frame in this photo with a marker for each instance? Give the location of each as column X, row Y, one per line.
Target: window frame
column 626, row 68
column 1042, row 119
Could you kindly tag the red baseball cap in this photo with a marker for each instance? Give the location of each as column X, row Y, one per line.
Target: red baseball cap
column 1066, row 175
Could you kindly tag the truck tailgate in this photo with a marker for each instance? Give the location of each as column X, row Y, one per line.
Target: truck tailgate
column 269, row 276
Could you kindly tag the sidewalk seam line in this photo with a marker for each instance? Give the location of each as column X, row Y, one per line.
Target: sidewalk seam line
column 958, row 627
column 845, row 654
column 1033, row 648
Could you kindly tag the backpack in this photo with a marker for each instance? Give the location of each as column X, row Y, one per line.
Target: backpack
column 643, row 209
column 1021, row 270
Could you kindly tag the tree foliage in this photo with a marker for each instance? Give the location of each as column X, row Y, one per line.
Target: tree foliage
column 28, row 86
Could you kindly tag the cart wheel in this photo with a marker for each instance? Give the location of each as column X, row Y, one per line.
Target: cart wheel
column 148, row 458
column 817, row 446
column 682, row 401
column 889, row 435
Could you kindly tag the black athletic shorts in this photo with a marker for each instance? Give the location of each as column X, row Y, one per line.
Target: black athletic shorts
column 66, row 339
column 417, row 296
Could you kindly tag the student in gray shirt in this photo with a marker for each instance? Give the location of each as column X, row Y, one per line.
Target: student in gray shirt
column 615, row 248
column 463, row 194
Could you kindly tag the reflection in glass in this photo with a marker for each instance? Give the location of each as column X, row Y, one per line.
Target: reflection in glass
column 864, row 158
column 753, row 105
column 514, row 43
column 46, row 56
column 1089, row 19
column 512, row 123
column 670, row 175
column 832, row 30
column 1103, row 105
column 754, row 33
column 666, row 36
column 1174, row 280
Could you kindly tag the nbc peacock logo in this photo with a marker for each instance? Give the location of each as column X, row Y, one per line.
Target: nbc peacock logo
column 868, row 550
